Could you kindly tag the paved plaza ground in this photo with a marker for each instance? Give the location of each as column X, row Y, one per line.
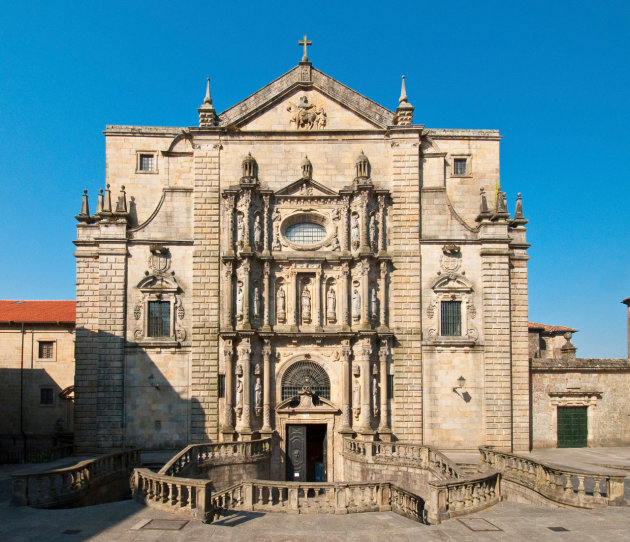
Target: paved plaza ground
column 130, row 521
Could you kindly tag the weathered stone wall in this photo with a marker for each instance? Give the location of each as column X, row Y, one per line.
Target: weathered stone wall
column 411, row 479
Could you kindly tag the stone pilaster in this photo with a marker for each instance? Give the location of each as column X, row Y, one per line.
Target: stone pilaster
column 228, row 357
column 205, row 314
column 365, row 353
column 266, row 430
column 245, row 359
column 346, row 414
column 384, row 431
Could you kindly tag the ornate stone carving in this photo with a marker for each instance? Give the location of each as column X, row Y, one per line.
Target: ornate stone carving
column 256, row 302
column 373, row 241
column 305, row 304
column 451, row 259
column 239, row 301
column 374, row 305
column 281, row 306
column 258, row 397
column 331, row 306
column 306, row 116
column 355, row 234
column 374, row 396
column 137, row 311
column 356, row 304
column 258, row 241
column 159, row 260
column 356, row 399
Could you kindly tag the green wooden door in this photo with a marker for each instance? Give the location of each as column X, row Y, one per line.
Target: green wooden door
column 572, row 427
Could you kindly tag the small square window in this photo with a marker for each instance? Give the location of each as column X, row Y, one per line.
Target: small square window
column 146, row 162
column 459, row 166
column 46, row 396
column 159, row 324
column 451, row 318
column 46, row 350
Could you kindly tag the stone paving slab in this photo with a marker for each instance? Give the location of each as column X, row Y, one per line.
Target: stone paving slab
column 127, row 521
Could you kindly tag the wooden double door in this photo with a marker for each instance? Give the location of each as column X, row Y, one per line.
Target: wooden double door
column 306, row 452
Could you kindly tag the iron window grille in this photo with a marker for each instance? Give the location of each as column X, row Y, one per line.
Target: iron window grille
column 459, row 166
column 305, row 373
column 305, row 233
column 147, row 162
column 451, row 318
column 46, row 349
column 159, row 323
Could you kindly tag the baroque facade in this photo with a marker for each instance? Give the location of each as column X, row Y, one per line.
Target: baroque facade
column 305, row 265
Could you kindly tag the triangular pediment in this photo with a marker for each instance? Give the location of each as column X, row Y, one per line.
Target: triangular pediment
column 306, row 187
column 299, row 102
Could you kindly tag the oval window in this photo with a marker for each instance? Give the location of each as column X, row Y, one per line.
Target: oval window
column 305, row 233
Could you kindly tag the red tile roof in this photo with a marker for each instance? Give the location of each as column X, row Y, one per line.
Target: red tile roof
column 37, row 311
column 551, row 329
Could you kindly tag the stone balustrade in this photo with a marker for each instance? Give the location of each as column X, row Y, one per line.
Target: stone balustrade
column 187, row 496
column 453, row 498
column 197, row 457
column 317, row 498
column 71, row 486
column 565, row 487
column 402, row 454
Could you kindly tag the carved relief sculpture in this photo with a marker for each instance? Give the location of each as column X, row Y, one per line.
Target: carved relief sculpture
column 374, row 307
column 239, row 397
column 331, row 306
column 258, row 396
column 281, row 306
column 240, row 230
column 306, row 305
column 276, row 230
column 373, row 232
column 356, row 399
column 374, row 396
column 356, row 304
column 355, row 239
column 257, row 234
column 307, row 116
column 239, row 301
column 256, row 302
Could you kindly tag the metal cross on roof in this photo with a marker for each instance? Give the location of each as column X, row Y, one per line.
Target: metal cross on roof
column 306, row 43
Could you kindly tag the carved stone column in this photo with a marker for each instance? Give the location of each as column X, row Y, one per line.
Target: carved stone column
column 364, row 362
column 346, row 420
column 317, row 299
column 345, row 313
column 266, row 430
column 228, row 292
column 345, row 217
column 365, row 294
column 245, row 357
column 384, row 431
column 266, row 224
column 365, row 220
column 246, row 202
column 229, row 219
column 381, row 230
column 246, row 266
column 228, row 419
column 383, row 289
column 292, row 299
column 267, row 295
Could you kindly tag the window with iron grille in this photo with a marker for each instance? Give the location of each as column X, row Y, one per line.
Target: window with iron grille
column 46, row 349
column 305, row 233
column 147, row 162
column 305, row 373
column 459, row 166
column 46, row 396
column 451, row 316
column 159, row 324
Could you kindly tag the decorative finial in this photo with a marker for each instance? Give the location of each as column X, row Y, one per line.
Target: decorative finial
column 99, row 202
column 500, row 204
column 362, row 166
column 121, row 204
column 519, row 219
column 403, row 92
column 208, row 99
column 249, row 167
column 307, row 168
column 107, row 204
column 306, row 43
column 84, row 215
column 484, row 212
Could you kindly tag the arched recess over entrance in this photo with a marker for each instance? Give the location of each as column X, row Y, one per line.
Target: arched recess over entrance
column 304, row 373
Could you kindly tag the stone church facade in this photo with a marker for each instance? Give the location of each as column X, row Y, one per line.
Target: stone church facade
column 305, row 265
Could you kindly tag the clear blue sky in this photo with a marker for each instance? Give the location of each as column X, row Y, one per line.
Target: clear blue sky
column 552, row 76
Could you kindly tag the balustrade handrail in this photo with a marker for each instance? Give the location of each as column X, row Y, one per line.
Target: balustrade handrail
column 425, row 457
column 556, row 482
column 60, row 486
column 220, row 452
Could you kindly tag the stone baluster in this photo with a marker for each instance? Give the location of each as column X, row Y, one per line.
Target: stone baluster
column 381, row 229
column 383, row 428
column 266, row 224
column 267, row 295
column 228, row 356
column 245, row 359
column 266, row 428
column 346, row 422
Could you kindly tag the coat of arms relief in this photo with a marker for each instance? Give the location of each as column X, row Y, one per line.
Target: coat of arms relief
column 307, row 116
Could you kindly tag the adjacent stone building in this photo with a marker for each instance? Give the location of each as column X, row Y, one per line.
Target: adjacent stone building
column 37, row 369
column 306, row 265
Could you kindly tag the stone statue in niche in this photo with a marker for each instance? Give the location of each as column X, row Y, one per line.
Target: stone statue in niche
column 256, row 302
column 356, row 398
column 374, row 232
column 354, row 232
column 374, row 307
column 331, row 305
column 374, row 396
column 356, row 304
column 240, row 230
column 276, row 230
column 258, row 395
column 306, row 305
column 281, row 306
column 239, row 396
column 239, row 301
column 257, row 233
